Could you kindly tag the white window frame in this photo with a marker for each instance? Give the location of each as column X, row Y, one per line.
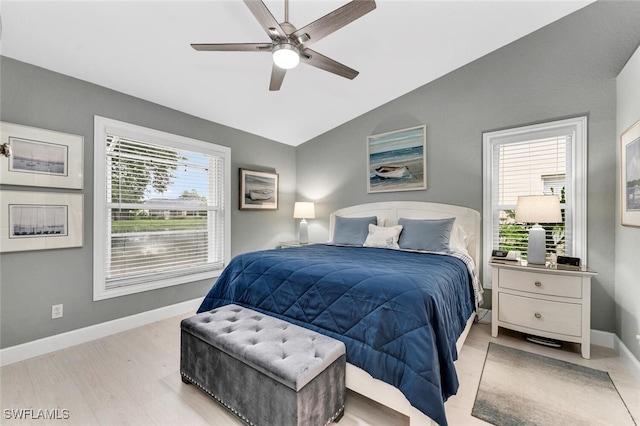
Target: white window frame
column 577, row 129
column 105, row 126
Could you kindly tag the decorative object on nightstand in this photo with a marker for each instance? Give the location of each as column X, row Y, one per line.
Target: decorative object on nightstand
column 304, row 211
column 505, row 256
column 552, row 303
column 538, row 209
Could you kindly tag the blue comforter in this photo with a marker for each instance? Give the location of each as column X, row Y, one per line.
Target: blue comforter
column 398, row 313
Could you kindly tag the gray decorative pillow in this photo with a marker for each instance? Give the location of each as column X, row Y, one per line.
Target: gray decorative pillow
column 352, row 231
column 425, row 234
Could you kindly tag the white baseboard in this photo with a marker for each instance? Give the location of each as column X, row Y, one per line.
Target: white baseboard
column 75, row 337
column 612, row 341
column 628, row 359
column 49, row 344
column 603, row 338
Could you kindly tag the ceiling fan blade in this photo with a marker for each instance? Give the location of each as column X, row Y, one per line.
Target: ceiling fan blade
column 335, row 20
column 277, row 75
column 318, row 60
column 266, row 19
column 232, row 47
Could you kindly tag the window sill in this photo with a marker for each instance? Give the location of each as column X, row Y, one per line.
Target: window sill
column 102, row 293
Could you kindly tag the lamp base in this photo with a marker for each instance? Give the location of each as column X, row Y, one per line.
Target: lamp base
column 304, row 232
column 536, row 251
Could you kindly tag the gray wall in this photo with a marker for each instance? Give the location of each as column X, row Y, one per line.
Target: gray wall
column 628, row 238
column 565, row 69
column 33, row 281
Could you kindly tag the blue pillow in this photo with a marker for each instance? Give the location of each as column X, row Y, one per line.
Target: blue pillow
column 352, row 231
column 425, row 234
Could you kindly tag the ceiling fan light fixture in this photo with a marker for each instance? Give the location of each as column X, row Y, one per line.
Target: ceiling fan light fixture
column 286, row 56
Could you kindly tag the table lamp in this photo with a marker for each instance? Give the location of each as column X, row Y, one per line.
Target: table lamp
column 538, row 209
column 304, row 211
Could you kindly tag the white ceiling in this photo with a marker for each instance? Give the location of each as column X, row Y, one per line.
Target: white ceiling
column 142, row 48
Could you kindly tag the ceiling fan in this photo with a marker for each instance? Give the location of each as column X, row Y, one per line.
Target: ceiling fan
column 289, row 45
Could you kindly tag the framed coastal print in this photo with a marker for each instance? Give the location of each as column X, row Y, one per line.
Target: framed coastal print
column 258, row 190
column 40, row 220
column 39, row 157
column 630, row 176
column 396, row 161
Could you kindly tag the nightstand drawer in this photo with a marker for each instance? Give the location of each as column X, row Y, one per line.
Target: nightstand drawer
column 555, row 317
column 553, row 285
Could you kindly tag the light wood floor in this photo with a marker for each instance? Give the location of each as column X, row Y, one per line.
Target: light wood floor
column 133, row 378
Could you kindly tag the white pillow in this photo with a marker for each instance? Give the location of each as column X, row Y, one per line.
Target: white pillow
column 386, row 237
column 458, row 239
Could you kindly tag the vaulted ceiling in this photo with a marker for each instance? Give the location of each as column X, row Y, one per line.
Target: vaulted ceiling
column 142, row 48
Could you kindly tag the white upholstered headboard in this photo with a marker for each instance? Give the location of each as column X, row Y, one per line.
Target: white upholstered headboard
column 391, row 211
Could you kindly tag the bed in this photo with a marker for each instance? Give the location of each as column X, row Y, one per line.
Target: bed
column 402, row 314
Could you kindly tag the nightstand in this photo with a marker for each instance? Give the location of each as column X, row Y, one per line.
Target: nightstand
column 552, row 302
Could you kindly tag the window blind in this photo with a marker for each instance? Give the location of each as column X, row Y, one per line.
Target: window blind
column 532, row 167
column 164, row 212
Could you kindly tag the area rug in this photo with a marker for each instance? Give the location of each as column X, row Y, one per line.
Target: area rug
column 521, row 388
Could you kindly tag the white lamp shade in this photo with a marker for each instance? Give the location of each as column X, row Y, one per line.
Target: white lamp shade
column 538, row 209
column 304, row 210
column 285, row 56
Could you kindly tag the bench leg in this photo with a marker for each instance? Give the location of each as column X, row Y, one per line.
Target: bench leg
column 185, row 380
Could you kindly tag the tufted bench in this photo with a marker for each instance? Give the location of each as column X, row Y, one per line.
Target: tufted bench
column 265, row 370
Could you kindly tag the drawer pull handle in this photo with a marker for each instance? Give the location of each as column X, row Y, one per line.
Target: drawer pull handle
column 538, row 284
column 538, row 315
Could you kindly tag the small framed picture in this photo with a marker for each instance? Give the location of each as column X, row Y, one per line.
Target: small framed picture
column 397, row 161
column 40, row 220
column 38, row 157
column 258, row 190
column 630, row 176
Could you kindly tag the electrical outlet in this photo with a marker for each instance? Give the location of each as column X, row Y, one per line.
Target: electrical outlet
column 56, row 311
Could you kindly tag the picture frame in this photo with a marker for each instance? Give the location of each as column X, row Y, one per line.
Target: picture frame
column 397, row 160
column 258, row 190
column 630, row 176
column 39, row 157
column 40, row 220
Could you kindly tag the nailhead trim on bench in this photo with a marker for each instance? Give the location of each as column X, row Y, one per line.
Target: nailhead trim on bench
column 217, row 398
column 193, row 381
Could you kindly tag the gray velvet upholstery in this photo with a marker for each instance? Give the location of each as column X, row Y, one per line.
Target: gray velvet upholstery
column 265, row 370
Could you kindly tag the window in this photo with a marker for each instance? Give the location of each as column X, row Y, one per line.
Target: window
column 161, row 209
column 548, row 158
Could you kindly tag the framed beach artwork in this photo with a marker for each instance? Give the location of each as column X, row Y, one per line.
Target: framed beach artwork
column 258, row 190
column 396, row 161
column 39, row 157
column 630, row 176
column 40, row 220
